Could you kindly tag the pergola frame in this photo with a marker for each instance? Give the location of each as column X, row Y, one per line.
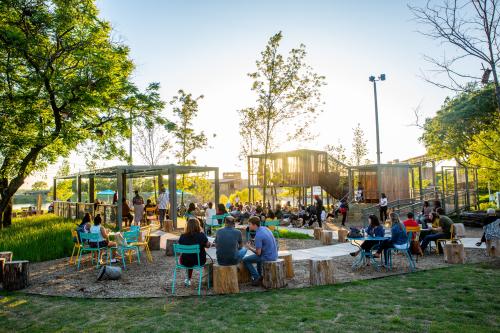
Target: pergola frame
column 124, row 172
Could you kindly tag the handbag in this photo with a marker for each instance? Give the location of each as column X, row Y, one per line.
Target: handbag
column 355, row 233
column 415, row 247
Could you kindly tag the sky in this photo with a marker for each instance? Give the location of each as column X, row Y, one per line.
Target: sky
column 208, row 47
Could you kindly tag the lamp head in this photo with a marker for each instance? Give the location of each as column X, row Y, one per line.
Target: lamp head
column 382, row 77
column 372, row 78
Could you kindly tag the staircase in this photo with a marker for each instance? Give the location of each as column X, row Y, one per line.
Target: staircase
column 333, row 184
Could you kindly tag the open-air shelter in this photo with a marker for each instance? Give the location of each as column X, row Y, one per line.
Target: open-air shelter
column 124, row 174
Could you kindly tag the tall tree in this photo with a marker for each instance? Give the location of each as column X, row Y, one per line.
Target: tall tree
column 470, row 29
column 188, row 140
column 152, row 143
column 339, row 154
column 359, row 147
column 63, row 81
column 288, row 99
column 39, row 186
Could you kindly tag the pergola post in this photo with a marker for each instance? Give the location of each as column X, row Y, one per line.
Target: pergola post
column 91, row 189
column 436, row 188
column 78, row 188
column 54, row 189
column 467, row 193
column 172, row 188
column 216, row 184
column 455, row 184
column 420, row 182
column 349, row 180
column 412, row 174
column 160, row 181
column 119, row 205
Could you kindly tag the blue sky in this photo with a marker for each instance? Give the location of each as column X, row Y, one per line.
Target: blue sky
column 208, row 47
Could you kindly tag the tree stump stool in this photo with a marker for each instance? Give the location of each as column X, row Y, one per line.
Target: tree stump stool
column 343, row 235
column 2, row 262
column 493, row 248
column 4, row 257
column 287, row 258
column 326, row 237
column 274, row 274
column 154, row 242
column 169, row 251
column 16, row 275
column 321, row 271
column 168, row 226
column 243, row 274
column 454, row 253
column 317, row 233
column 226, row 279
column 208, row 273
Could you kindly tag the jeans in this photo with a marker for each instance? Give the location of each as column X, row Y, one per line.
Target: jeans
column 249, row 261
column 383, row 214
column 431, row 238
column 241, row 254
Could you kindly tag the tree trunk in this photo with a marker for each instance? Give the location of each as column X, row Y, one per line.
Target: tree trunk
column 326, row 237
column 274, row 274
column 454, row 253
column 16, row 275
column 226, row 279
column 288, row 260
column 6, row 215
column 321, row 271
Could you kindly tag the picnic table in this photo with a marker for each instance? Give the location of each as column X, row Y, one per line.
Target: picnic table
column 361, row 258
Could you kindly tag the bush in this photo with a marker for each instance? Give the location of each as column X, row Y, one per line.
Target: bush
column 284, row 233
column 38, row 238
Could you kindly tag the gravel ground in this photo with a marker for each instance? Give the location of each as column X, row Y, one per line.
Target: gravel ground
column 146, row 279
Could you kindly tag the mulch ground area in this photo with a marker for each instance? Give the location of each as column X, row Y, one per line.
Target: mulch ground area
column 154, row 279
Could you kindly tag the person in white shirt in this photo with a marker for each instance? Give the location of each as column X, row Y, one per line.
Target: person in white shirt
column 383, row 208
column 162, row 205
column 209, row 212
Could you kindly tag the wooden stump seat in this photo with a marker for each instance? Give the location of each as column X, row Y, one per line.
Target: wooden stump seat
column 274, row 274
column 454, row 253
column 343, row 235
column 16, row 275
column 168, row 226
column 169, row 251
column 243, row 274
column 154, row 242
column 321, row 271
column 226, row 279
column 287, row 258
column 326, row 237
column 317, row 233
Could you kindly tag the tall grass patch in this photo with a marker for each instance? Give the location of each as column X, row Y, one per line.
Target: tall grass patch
column 284, row 233
column 38, row 238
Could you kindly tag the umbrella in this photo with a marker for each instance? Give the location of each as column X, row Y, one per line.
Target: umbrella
column 107, row 193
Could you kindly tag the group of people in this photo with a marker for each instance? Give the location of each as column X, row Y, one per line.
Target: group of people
column 229, row 246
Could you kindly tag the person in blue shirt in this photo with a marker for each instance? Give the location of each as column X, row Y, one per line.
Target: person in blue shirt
column 265, row 249
column 374, row 229
column 398, row 239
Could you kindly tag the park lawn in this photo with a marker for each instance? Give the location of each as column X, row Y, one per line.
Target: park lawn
column 455, row 299
column 38, row 238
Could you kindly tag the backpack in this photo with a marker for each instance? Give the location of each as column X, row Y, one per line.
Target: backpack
column 355, row 233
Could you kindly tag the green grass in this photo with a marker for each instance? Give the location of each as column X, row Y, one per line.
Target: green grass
column 38, row 238
column 462, row 298
column 284, row 233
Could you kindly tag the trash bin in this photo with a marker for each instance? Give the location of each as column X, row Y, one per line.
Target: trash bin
column 109, row 273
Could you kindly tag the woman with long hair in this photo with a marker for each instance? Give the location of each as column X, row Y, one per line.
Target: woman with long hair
column 193, row 236
column 398, row 237
column 374, row 229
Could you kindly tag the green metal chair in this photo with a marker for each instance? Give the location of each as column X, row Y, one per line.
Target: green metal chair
column 406, row 251
column 130, row 237
column 86, row 239
column 216, row 225
column 188, row 249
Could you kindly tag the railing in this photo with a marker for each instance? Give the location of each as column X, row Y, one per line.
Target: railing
column 76, row 210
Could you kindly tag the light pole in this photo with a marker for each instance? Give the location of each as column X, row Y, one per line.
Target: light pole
column 374, row 80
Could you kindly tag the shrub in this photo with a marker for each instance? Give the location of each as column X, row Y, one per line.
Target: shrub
column 284, row 233
column 38, row 238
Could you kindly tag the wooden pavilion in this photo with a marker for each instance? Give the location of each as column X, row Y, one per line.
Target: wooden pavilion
column 125, row 173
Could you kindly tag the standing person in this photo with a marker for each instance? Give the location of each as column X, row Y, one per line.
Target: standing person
column 361, row 192
column 443, row 231
column 343, row 209
column 209, row 212
column 162, row 205
column 138, row 203
column 383, row 208
column 228, row 244
column 319, row 209
column 265, row 250
column 115, row 198
column 193, row 236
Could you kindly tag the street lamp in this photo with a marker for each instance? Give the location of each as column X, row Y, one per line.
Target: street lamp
column 374, row 80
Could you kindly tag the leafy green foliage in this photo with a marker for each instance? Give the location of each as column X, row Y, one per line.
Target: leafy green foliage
column 359, row 148
column 38, row 238
column 244, row 195
column 63, row 82
column 39, row 186
column 467, row 129
column 284, row 233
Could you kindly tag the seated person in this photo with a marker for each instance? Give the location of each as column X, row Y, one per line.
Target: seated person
column 265, row 249
column 374, row 229
column 491, row 227
column 150, row 212
column 440, row 232
column 410, row 222
column 84, row 226
column 228, row 244
column 398, row 237
column 191, row 212
column 103, row 240
column 193, row 236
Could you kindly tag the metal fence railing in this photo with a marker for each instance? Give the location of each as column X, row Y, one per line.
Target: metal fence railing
column 76, row 210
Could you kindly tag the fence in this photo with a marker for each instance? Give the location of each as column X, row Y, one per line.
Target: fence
column 76, row 210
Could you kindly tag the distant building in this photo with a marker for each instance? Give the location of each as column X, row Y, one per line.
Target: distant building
column 230, row 183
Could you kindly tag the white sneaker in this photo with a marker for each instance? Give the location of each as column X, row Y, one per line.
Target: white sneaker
column 187, row 282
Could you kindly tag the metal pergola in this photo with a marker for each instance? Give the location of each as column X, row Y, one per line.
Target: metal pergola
column 124, row 172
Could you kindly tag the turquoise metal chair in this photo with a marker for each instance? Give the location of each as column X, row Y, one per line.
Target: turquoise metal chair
column 135, row 228
column 188, row 249
column 276, row 231
column 406, row 251
column 86, row 239
column 215, row 224
column 130, row 237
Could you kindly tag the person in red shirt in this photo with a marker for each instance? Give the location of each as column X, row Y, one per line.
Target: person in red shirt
column 410, row 222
